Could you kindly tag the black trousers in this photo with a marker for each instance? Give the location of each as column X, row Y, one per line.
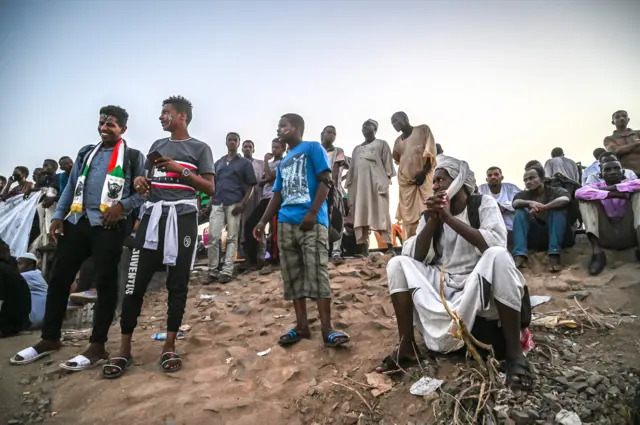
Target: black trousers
column 250, row 243
column 79, row 242
column 145, row 262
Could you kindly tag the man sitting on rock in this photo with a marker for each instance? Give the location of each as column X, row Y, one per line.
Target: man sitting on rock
column 464, row 236
column 27, row 265
column 540, row 221
column 611, row 212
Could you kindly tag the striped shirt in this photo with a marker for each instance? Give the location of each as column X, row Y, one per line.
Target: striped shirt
column 165, row 186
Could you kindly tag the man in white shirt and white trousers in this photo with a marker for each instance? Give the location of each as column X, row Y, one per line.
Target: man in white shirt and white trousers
column 465, row 234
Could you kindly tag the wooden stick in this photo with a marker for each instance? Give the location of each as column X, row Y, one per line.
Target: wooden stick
column 589, row 317
column 360, row 383
column 355, row 391
column 480, row 404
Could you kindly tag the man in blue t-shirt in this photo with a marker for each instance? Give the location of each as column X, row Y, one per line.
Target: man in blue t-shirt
column 303, row 180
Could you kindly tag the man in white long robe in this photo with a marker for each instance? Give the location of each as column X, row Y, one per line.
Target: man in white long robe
column 466, row 236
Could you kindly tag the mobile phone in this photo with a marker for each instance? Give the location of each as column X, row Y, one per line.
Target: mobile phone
column 154, row 156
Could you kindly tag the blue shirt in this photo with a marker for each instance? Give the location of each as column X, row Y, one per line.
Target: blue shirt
column 297, row 182
column 94, row 183
column 233, row 178
column 64, row 179
column 38, row 288
column 591, row 169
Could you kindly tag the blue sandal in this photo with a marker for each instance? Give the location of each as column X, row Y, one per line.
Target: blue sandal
column 289, row 338
column 337, row 339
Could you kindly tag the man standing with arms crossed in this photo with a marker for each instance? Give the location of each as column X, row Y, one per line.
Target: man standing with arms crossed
column 624, row 142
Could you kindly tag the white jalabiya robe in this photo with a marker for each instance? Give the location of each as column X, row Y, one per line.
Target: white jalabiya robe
column 472, row 280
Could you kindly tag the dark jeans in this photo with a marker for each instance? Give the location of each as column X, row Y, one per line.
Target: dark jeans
column 540, row 235
column 250, row 243
column 145, row 262
column 81, row 241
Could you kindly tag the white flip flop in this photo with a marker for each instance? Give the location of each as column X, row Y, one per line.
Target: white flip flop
column 29, row 355
column 82, row 362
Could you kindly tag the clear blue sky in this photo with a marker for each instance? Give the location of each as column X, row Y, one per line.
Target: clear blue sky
column 499, row 82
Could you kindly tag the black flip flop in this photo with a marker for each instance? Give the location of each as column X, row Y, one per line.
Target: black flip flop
column 170, row 356
column 515, row 371
column 336, row 339
column 392, row 364
column 290, row 338
column 120, row 363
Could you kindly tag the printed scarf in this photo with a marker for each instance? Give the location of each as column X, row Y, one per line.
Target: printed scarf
column 113, row 183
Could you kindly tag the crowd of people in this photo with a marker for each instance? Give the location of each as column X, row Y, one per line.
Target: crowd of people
column 305, row 204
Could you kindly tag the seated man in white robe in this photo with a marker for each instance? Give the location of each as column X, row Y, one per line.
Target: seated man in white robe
column 503, row 193
column 464, row 234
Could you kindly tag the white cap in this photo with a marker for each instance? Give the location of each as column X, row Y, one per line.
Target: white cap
column 29, row 256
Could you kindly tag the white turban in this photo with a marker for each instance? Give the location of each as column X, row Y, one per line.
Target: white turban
column 459, row 172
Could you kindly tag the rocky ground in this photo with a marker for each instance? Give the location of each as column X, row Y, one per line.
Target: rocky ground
column 587, row 374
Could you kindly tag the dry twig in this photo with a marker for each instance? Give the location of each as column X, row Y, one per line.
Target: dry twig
column 415, row 353
column 480, row 404
column 469, row 340
column 459, row 404
column 360, row 383
column 589, row 317
column 355, row 391
column 391, row 372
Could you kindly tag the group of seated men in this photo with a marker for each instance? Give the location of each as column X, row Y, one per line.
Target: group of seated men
column 540, row 217
column 547, row 214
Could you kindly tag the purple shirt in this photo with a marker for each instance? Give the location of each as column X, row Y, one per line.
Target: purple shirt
column 613, row 207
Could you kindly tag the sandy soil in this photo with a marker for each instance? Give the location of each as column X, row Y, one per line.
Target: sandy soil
column 224, row 381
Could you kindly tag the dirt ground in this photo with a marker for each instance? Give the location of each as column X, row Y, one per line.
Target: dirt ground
column 224, row 381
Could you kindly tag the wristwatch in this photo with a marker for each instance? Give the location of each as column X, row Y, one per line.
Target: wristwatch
column 186, row 173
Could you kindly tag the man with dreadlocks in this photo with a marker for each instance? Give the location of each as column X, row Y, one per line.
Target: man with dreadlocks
column 464, row 235
column 368, row 181
column 179, row 166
